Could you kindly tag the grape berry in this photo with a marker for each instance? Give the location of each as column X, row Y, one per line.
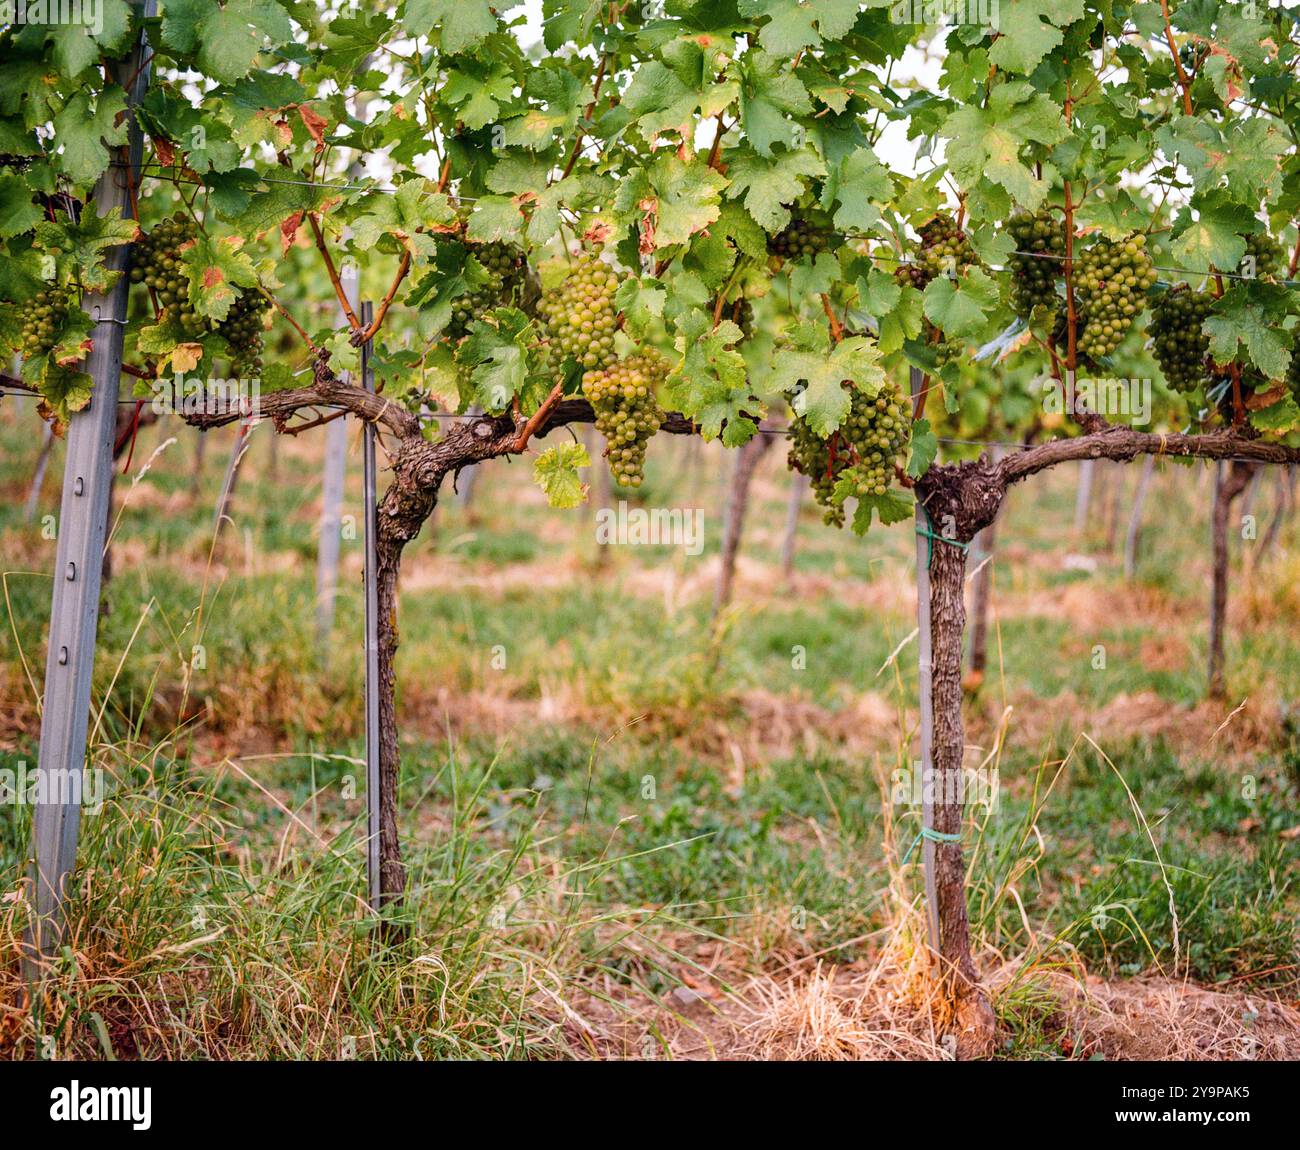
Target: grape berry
column 1036, row 264
column 803, row 236
column 627, row 415
column 42, row 324
column 865, row 449
column 580, row 315
column 504, row 264
column 1181, row 348
column 1111, row 278
column 159, row 266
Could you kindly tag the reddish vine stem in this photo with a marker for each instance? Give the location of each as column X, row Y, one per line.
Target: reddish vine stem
column 333, row 274
column 591, row 108
column 360, row 337
column 1183, row 82
column 540, row 416
column 837, row 329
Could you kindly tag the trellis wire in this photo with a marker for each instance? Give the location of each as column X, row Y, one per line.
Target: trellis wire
column 875, row 255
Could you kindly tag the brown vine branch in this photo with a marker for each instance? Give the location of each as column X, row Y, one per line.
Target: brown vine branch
column 342, row 295
column 360, row 337
column 1183, row 81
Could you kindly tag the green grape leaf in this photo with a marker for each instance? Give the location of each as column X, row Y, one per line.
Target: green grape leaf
column 555, row 471
column 1211, row 240
column 796, row 24
column 825, row 401
column 770, row 93
column 925, row 446
column 496, row 354
column 987, row 142
column 86, row 135
column 856, row 185
column 1241, row 321
column 230, row 37
column 672, row 198
column 18, row 212
column 711, row 385
column 641, row 300
column 894, row 506
column 65, row 390
column 768, row 185
column 216, row 268
column 960, row 308
column 461, row 24
column 1025, row 37
column 1280, row 417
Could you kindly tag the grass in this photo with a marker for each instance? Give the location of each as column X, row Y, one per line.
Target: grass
column 597, row 812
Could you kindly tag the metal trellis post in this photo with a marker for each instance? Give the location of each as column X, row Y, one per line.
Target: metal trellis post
column 83, row 528
column 372, row 631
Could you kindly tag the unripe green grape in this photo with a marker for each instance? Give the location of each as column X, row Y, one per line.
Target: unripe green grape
column 871, row 441
column 580, row 315
column 623, row 398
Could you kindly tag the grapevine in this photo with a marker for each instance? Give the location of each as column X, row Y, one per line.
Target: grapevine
column 859, row 458
column 627, row 415
column 1180, row 345
column 580, row 315
column 43, row 321
column 1111, row 278
column 1036, row 263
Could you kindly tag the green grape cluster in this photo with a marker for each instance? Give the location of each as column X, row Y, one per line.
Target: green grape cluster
column 865, row 449
column 504, row 264
column 804, row 235
column 944, row 251
column 43, row 322
column 1180, row 346
column 1036, row 263
column 159, row 266
column 242, row 330
column 1111, row 278
column 580, row 314
column 1265, row 255
column 627, row 414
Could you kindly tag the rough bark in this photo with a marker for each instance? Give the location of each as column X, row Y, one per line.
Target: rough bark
column 982, row 593
column 1083, row 497
column 1228, row 485
column 1281, row 511
column 798, row 493
column 742, row 475
column 1133, row 535
column 38, row 473
column 974, row 1024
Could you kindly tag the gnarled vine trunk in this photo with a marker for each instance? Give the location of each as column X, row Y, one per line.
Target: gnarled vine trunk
column 1227, row 486
column 392, row 872
column 747, row 460
column 959, row 502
